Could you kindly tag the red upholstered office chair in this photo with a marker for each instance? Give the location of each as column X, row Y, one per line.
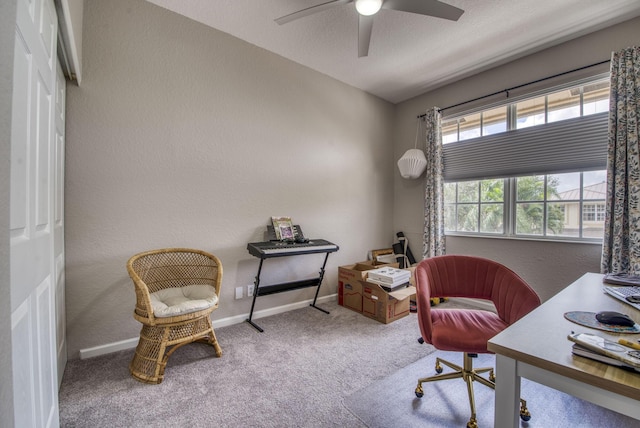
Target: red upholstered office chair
column 468, row 330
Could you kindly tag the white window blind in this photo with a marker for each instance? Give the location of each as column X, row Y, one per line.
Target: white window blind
column 578, row 144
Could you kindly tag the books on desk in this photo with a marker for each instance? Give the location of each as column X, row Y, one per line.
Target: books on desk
column 600, row 349
column 588, row 353
column 621, row 279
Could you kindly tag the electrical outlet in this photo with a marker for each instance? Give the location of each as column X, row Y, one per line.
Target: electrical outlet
column 250, row 288
column 238, row 292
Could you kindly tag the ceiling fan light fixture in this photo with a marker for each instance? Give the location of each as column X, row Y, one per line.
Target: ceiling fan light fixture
column 368, row 7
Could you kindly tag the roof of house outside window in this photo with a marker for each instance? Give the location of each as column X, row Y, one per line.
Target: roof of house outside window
column 594, row 191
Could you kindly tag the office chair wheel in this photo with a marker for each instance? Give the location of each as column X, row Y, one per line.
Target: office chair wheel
column 419, row 391
column 492, row 376
column 438, row 367
column 524, row 412
column 473, row 423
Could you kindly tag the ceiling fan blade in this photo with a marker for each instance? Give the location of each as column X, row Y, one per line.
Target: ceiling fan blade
column 310, row 10
column 365, row 25
column 425, row 7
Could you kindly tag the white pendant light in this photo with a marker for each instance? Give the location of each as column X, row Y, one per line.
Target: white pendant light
column 413, row 163
column 368, row 7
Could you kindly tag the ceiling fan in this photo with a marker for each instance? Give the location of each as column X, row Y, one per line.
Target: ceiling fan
column 368, row 8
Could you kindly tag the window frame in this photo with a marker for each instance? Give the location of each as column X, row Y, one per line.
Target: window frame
column 510, row 203
column 511, row 105
column 509, row 207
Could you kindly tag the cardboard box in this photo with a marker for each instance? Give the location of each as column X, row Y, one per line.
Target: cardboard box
column 350, row 295
column 412, row 281
column 385, row 306
column 412, row 269
column 349, row 286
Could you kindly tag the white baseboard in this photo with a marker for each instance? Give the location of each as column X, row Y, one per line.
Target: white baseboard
column 108, row 348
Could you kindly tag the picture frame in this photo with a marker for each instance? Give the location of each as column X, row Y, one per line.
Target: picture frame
column 375, row 254
column 283, row 228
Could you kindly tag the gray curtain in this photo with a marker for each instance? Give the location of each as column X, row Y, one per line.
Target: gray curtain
column 433, row 193
column 621, row 243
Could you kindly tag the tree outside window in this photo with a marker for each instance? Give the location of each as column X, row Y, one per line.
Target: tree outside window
column 567, row 205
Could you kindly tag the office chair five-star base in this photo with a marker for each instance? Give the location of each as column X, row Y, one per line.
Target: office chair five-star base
column 469, row 374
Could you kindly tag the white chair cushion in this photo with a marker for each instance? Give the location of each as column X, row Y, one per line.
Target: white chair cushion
column 172, row 302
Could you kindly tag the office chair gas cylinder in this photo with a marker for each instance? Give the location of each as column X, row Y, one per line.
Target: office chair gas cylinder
column 468, row 330
column 176, row 291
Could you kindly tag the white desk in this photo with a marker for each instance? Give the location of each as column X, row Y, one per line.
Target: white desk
column 536, row 347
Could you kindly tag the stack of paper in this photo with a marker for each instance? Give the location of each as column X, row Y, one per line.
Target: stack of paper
column 621, row 279
column 389, row 277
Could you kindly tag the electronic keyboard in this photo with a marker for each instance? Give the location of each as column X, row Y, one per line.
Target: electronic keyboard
column 268, row 249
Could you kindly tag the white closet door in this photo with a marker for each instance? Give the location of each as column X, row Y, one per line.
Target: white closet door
column 32, row 219
column 58, row 222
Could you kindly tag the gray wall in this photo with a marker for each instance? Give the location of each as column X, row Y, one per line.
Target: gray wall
column 548, row 266
column 181, row 135
column 7, row 38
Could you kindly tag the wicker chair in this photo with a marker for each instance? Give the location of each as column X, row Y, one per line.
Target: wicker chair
column 176, row 291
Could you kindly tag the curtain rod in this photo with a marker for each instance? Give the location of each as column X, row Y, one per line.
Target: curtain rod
column 519, row 86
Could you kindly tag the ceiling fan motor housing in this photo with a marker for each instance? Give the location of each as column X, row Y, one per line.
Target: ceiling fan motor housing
column 367, row 8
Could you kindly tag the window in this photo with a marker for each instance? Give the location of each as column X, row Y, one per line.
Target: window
column 593, row 212
column 487, row 122
column 530, row 113
column 475, row 206
column 595, row 98
column 559, row 206
column 555, row 106
column 506, row 167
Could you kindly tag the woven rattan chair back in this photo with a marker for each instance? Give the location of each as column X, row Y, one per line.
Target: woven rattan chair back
column 156, row 270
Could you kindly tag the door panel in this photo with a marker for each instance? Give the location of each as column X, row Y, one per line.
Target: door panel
column 19, row 132
column 22, row 353
column 42, row 145
column 47, row 374
column 35, row 267
column 58, row 224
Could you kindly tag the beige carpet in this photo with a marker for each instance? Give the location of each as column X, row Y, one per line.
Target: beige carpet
column 391, row 402
column 295, row 374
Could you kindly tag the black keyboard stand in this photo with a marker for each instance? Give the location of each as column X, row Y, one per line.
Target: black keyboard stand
column 263, row 290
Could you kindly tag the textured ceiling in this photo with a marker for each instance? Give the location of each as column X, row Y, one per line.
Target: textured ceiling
column 409, row 54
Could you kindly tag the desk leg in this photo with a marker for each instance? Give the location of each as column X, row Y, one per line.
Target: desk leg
column 507, row 400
